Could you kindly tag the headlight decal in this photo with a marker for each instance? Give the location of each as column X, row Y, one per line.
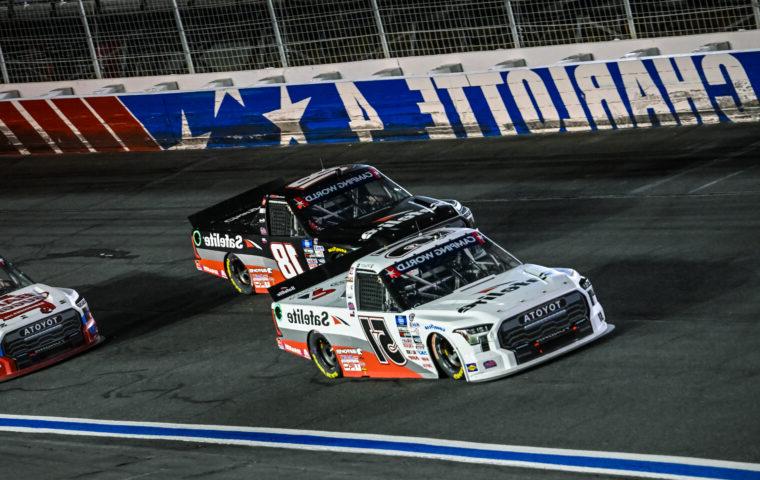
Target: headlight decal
column 475, row 334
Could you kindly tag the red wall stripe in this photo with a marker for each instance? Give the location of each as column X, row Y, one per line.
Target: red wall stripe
column 123, row 124
column 61, row 134
column 26, row 134
column 88, row 125
column 6, row 147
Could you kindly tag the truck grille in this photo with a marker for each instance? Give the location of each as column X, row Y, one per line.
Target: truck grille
column 546, row 328
column 29, row 346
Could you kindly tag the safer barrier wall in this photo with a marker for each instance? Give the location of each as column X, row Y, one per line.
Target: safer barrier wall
column 677, row 90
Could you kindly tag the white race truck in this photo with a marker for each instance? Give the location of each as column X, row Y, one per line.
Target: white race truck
column 446, row 303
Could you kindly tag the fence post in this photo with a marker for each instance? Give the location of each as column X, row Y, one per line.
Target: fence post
column 512, row 24
column 277, row 37
column 3, row 68
column 381, row 29
column 90, row 43
column 183, row 38
column 629, row 17
column 756, row 11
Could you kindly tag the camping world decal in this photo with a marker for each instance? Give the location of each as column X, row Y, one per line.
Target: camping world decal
column 680, row 90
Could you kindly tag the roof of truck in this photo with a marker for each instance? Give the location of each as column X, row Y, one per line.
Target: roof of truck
column 324, row 176
column 411, row 250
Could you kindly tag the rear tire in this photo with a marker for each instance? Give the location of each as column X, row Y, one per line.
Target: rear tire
column 322, row 355
column 238, row 275
column 446, row 357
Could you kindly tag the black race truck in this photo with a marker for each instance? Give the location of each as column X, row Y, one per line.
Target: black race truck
column 281, row 229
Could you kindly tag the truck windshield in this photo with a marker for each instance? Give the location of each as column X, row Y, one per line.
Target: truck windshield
column 11, row 278
column 447, row 267
column 347, row 200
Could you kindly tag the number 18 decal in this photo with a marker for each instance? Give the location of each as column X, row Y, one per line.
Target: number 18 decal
column 287, row 259
column 382, row 343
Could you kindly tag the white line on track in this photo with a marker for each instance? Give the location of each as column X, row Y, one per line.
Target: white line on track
column 176, row 174
column 724, row 158
column 710, row 184
column 661, row 181
column 610, row 463
column 103, row 209
column 606, row 197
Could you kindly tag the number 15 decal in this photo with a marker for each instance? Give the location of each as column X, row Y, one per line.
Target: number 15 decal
column 382, row 343
column 287, row 259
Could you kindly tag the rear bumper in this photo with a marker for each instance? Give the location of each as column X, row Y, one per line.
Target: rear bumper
column 8, row 371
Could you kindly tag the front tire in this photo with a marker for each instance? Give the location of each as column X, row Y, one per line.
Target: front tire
column 322, row 355
column 238, row 275
column 446, row 357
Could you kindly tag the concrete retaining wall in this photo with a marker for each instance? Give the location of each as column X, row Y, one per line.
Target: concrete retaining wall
column 635, row 93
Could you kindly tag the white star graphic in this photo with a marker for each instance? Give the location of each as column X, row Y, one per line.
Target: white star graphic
column 288, row 118
column 219, row 96
column 187, row 140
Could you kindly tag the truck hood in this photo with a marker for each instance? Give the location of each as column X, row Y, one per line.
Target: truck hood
column 33, row 303
column 498, row 297
column 408, row 217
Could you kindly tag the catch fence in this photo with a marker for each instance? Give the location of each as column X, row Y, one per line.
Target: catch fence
column 58, row 40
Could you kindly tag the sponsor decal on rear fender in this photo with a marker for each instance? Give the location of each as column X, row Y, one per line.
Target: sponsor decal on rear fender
column 299, row 316
column 215, row 240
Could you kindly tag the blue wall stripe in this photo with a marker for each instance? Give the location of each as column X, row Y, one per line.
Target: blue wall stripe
column 326, row 120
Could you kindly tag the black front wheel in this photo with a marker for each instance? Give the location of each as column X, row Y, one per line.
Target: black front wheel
column 446, row 357
column 239, row 277
column 323, row 356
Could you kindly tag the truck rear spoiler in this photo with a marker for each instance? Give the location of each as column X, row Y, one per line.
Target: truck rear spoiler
column 234, row 206
column 318, row 275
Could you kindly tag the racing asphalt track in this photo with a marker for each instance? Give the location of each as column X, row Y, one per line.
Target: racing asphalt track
column 666, row 223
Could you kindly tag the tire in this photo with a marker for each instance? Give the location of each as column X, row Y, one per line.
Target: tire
column 446, row 357
column 238, row 275
column 323, row 356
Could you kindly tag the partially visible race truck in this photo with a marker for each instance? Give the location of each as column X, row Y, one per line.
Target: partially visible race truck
column 40, row 325
column 281, row 229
